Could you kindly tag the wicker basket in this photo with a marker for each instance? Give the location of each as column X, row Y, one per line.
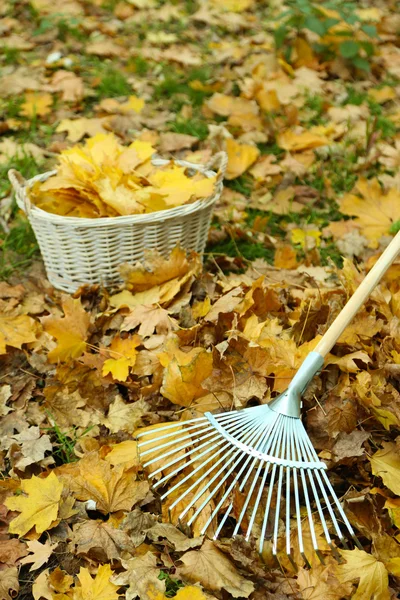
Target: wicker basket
column 79, row 251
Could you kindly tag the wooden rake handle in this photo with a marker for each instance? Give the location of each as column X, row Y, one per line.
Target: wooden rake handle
column 358, row 298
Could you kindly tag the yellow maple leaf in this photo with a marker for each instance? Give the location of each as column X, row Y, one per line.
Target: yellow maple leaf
column 133, row 104
column 39, row 508
column 240, row 158
column 386, row 464
column 307, row 238
column 123, row 356
column 97, row 588
column 36, row 105
column 189, row 592
column 382, row 95
column 70, row 331
column 184, row 373
column 375, row 210
column 237, row 6
column 371, row 573
column 295, row 142
column 77, row 128
column 16, row 331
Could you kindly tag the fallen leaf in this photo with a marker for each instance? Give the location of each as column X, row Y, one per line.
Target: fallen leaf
column 240, row 158
column 178, row 540
column 150, row 319
column 100, row 538
column 386, row 464
column 70, row 331
column 78, row 128
column 70, row 85
column 123, row 416
column 111, row 488
column 98, row 588
column 141, row 576
column 36, row 105
column 39, row 507
column 184, row 373
column 210, row 567
column 289, row 140
column 371, row 573
column 123, row 356
column 376, row 211
column 40, row 553
column 16, row 331
column 9, row 585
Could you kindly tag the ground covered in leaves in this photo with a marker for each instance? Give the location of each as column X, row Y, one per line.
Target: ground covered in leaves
column 304, row 98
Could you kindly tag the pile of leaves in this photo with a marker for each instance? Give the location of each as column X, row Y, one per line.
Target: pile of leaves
column 104, row 179
column 303, row 97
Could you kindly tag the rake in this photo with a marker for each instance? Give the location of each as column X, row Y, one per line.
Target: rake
column 256, row 451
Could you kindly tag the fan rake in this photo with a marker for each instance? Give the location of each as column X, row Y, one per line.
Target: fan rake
column 261, row 453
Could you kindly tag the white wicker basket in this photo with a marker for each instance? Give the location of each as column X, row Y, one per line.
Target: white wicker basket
column 79, row 251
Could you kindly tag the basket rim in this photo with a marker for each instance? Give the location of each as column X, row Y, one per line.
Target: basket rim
column 160, row 215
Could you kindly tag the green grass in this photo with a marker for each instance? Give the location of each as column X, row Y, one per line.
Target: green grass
column 64, row 443
column 175, row 88
column 18, row 245
column 113, row 84
column 138, row 65
column 272, row 148
column 247, row 249
column 331, row 252
column 172, row 585
column 10, row 56
column 10, row 107
column 242, row 184
column 315, row 113
column 196, row 127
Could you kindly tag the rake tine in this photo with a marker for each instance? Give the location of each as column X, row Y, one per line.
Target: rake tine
column 270, row 425
column 233, row 483
column 289, row 436
column 193, row 460
column 278, row 498
column 213, row 436
column 270, row 447
column 195, row 484
column 190, row 475
column 191, row 428
column 271, row 484
column 258, row 432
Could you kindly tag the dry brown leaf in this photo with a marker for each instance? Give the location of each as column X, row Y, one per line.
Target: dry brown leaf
column 141, row 576
column 110, row 488
column 123, row 416
column 214, row 571
column 9, row 585
column 100, row 540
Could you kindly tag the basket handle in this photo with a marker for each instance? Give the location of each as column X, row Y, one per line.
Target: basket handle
column 218, row 162
column 19, row 184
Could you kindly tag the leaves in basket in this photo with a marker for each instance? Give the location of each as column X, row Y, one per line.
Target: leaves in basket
column 102, row 178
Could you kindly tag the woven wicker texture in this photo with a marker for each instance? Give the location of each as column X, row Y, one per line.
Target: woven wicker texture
column 79, row 251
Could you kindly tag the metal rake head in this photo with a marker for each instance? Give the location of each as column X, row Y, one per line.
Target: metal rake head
column 248, row 451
